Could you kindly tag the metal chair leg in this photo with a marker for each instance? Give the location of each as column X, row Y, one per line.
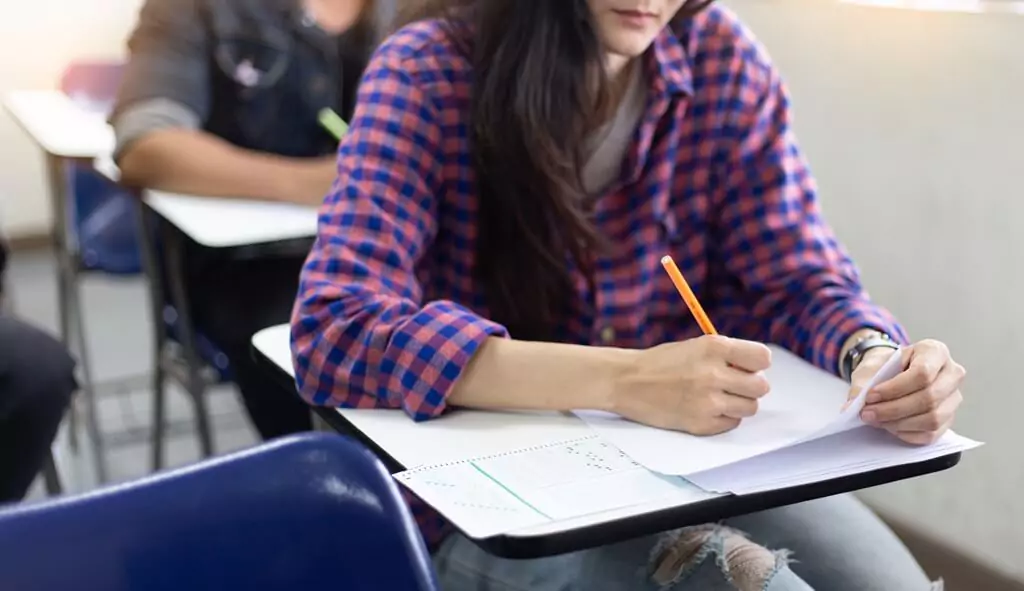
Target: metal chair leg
column 203, row 421
column 151, row 268
column 70, row 309
column 159, row 405
column 196, row 386
column 88, row 392
column 50, row 476
column 73, row 427
column 60, row 251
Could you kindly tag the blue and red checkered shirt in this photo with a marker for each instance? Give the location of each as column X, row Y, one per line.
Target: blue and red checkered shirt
column 389, row 314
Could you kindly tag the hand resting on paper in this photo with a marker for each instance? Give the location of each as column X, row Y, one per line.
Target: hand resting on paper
column 919, row 404
column 702, row 386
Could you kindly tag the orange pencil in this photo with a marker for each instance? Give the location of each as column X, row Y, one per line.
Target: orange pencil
column 691, row 300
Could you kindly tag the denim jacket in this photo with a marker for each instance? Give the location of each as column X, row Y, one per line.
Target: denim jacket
column 253, row 72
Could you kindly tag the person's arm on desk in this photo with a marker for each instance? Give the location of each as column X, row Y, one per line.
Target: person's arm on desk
column 363, row 336
column 163, row 100
column 191, row 161
column 702, row 386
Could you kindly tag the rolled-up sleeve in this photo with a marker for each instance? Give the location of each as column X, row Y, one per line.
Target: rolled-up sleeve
column 362, row 336
column 799, row 285
column 166, row 80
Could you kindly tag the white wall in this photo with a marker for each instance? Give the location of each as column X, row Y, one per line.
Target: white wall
column 913, row 123
column 37, row 39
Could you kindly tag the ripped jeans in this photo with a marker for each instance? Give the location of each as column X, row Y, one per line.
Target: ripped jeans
column 832, row 544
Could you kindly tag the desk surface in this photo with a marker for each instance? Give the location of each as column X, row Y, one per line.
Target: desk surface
column 225, row 223
column 404, row 444
column 58, row 125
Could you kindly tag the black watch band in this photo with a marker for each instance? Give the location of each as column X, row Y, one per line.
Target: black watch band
column 856, row 353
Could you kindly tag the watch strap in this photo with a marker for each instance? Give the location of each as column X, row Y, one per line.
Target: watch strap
column 856, row 353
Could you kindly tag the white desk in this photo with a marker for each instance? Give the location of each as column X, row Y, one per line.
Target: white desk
column 212, row 223
column 225, row 223
column 407, row 442
column 67, row 133
column 59, row 126
column 447, row 438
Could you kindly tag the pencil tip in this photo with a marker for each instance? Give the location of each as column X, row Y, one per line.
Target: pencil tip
column 666, row 259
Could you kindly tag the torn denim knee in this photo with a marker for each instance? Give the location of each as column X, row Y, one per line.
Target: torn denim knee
column 744, row 564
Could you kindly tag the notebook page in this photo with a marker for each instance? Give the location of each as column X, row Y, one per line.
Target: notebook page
column 803, row 400
column 581, row 478
column 505, row 492
column 479, row 506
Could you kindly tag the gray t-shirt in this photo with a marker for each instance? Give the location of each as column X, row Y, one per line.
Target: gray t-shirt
column 608, row 145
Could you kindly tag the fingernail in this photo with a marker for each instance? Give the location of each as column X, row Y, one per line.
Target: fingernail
column 873, row 396
column 868, row 416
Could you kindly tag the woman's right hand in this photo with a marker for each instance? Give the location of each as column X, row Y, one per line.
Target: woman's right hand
column 702, row 386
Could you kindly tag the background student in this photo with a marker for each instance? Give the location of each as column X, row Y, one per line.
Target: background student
column 513, row 175
column 221, row 98
column 37, row 379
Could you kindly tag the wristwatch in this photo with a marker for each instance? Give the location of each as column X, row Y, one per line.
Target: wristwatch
column 856, row 353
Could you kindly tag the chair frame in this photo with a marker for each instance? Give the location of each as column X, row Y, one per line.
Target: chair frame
column 69, row 307
column 164, row 365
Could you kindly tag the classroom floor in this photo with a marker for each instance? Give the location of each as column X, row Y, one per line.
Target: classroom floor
column 118, row 328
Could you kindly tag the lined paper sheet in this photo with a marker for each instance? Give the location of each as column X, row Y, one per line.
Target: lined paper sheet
column 478, row 505
column 505, row 492
column 802, row 401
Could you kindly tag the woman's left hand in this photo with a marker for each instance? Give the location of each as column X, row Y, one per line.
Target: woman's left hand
column 919, row 404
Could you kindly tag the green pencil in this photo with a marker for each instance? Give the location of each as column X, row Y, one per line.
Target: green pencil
column 333, row 123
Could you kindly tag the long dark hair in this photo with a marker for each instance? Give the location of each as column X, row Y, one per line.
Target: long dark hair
column 539, row 88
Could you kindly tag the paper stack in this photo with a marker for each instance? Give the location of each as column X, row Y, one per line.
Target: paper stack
column 801, row 434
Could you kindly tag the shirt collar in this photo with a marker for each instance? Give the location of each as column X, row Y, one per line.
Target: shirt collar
column 668, row 61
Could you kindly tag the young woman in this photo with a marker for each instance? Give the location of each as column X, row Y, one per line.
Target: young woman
column 514, row 172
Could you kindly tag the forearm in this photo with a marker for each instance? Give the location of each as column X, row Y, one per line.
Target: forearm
column 509, row 374
column 198, row 163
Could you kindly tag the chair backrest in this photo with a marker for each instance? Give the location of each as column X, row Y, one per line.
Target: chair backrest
column 315, row 511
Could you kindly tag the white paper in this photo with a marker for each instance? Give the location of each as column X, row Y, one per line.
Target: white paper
column 506, row 492
column 803, row 401
column 849, row 418
column 842, row 454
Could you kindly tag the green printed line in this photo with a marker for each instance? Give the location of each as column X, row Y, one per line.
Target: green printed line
column 508, row 490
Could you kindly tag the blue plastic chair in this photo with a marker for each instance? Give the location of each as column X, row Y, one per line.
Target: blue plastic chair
column 304, row 513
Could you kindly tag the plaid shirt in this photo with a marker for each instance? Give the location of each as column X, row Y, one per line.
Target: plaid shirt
column 388, row 313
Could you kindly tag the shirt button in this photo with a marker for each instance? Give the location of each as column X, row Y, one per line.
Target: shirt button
column 318, row 85
column 607, row 335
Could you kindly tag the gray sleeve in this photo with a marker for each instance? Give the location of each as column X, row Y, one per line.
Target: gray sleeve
column 146, row 116
column 168, row 60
